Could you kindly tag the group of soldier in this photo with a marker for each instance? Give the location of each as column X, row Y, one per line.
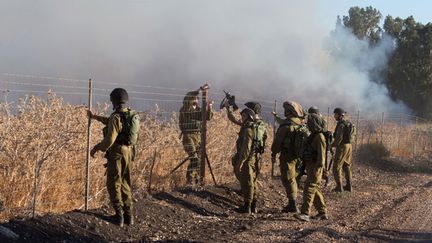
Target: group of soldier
column 249, row 149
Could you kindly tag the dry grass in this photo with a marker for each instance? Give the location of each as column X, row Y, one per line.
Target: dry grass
column 47, row 137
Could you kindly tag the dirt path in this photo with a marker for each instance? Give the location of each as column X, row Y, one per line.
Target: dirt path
column 388, row 204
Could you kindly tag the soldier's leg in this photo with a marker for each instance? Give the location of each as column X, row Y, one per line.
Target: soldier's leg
column 337, row 169
column 114, row 186
column 310, row 189
column 254, row 206
column 347, row 167
column 288, row 177
column 190, row 148
column 126, row 185
column 247, row 186
column 319, row 202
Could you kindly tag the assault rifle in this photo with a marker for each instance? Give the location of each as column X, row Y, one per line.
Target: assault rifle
column 328, row 167
column 229, row 100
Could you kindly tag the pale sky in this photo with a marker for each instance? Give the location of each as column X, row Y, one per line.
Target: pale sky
column 420, row 9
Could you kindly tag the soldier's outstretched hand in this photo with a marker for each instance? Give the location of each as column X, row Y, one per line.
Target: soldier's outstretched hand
column 90, row 114
column 274, row 113
column 93, row 152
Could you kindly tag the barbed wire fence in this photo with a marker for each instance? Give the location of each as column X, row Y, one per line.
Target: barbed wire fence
column 43, row 141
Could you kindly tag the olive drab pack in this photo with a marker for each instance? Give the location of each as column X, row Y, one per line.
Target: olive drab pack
column 260, row 136
column 131, row 124
column 349, row 132
column 300, row 139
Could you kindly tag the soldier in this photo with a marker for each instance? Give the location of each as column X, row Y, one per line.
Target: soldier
column 343, row 155
column 314, row 159
column 119, row 153
column 329, row 138
column 245, row 165
column 284, row 144
column 259, row 124
column 190, row 120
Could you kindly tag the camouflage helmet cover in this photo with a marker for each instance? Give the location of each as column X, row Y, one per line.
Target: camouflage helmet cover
column 293, row 108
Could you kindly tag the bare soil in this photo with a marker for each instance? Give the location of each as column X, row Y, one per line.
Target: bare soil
column 392, row 201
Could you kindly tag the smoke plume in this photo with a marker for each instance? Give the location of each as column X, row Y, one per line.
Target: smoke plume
column 262, row 49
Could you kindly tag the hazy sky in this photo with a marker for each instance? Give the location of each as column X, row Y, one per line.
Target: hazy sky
column 273, row 49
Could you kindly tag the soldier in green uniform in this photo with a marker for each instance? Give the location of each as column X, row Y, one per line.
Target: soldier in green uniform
column 245, row 165
column 119, row 156
column 314, row 159
column 343, row 155
column 190, row 120
column 258, row 121
column 284, row 144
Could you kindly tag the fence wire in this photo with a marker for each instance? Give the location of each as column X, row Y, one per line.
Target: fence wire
column 43, row 141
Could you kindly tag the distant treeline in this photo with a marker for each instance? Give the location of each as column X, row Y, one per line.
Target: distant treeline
column 408, row 75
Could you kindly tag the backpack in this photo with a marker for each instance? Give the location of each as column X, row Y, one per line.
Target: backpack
column 260, row 136
column 131, row 124
column 349, row 132
column 300, row 139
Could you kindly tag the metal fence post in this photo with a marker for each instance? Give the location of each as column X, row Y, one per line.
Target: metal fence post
column 87, row 184
column 35, row 188
column 382, row 127
column 203, row 132
column 415, row 137
column 274, row 134
column 358, row 129
column 328, row 117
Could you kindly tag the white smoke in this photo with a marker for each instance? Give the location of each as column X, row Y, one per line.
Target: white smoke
column 265, row 49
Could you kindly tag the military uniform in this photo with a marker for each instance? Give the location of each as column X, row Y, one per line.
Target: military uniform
column 284, row 144
column 190, row 120
column 314, row 167
column 343, row 155
column 119, row 157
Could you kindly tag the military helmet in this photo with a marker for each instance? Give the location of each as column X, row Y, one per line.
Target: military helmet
column 339, row 111
column 119, row 95
column 249, row 112
column 255, row 106
column 313, row 110
column 293, row 108
column 315, row 123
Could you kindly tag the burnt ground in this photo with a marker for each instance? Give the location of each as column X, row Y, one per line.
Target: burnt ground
column 392, row 201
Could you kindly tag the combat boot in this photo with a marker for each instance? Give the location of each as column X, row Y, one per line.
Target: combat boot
column 246, row 208
column 254, row 206
column 348, row 187
column 291, row 207
column 302, row 217
column 128, row 216
column 321, row 216
column 117, row 218
column 338, row 188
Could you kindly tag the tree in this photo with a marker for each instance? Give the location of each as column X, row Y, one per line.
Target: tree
column 409, row 75
column 364, row 23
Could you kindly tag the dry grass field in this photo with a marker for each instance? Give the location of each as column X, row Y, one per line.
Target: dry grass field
column 43, row 153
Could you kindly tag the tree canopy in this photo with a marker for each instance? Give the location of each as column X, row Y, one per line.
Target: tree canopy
column 408, row 76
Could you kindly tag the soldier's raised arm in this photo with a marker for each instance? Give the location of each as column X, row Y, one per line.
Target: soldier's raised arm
column 232, row 118
column 102, row 119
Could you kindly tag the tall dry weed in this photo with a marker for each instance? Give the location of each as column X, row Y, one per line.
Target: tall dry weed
column 43, row 146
